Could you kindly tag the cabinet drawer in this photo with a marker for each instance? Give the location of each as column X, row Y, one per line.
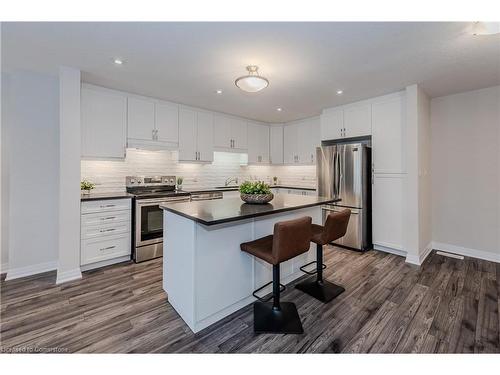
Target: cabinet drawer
column 96, row 250
column 105, row 218
column 88, row 207
column 104, row 230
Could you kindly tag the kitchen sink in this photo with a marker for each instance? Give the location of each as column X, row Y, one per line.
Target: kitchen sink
column 227, row 187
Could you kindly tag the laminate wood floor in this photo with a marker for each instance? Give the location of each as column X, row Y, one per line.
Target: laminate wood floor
column 445, row 306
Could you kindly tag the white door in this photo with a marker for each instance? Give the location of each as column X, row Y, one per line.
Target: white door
column 357, row 120
column 187, row 134
column 104, row 124
column 167, row 122
column 332, row 123
column 222, row 131
column 304, row 142
column 205, row 136
column 315, row 138
column 387, row 127
column 290, row 144
column 239, row 134
column 276, row 144
column 387, row 211
column 141, row 119
column 264, row 143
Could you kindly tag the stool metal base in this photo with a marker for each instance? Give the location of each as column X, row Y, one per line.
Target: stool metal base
column 321, row 290
column 268, row 320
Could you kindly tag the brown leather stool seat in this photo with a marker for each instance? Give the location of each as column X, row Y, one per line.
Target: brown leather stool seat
column 335, row 227
column 290, row 238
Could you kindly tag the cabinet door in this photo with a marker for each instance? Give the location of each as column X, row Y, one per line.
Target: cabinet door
column 104, row 124
column 304, row 141
column 141, row 119
column 222, row 131
column 253, row 142
column 387, row 211
column 167, row 122
column 187, row 134
column 357, row 120
column 332, row 123
column 387, row 127
column 205, row 136
column 315, row 138
column 290, row 144
column 276, row 144
column 239, row 134
column 264, row 143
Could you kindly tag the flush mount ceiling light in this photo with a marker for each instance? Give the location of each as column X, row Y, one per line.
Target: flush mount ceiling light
column 486, row 28
column 252, row 82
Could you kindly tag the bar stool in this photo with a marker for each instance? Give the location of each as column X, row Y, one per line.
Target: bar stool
column 335, row 228
column 290, row 238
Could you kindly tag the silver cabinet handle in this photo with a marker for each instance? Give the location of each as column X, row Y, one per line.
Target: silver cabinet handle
column 108, row 218
column 107, row 230
column 107, row 248
column 107, row 205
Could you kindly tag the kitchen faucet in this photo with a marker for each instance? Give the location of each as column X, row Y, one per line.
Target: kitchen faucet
column 231, row 179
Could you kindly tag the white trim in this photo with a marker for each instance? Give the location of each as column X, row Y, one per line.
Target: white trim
column 64, row 277
column 104, row 263
column 419, row 259
column 390, row 245
column 16, row 273
column 427, row 251
column 4, row 268
column 473, row 253
column 390, row 250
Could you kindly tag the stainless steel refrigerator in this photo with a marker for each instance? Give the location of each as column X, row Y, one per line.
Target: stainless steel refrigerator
column 344, row 172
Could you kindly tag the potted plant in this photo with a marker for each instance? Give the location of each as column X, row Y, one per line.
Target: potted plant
column 180, row 180
column 257, row 192
column 86, row 186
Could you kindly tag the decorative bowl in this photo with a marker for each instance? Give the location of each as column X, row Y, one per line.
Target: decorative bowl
column 257, row 198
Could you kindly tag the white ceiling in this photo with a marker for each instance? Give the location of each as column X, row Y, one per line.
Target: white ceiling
column 305, row 62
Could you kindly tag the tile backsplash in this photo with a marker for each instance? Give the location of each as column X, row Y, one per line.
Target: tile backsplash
column 109, row 175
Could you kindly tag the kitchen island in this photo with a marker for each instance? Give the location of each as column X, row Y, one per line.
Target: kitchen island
column 205, row 274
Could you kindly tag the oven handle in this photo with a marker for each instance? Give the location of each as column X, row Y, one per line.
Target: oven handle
column 152, row 202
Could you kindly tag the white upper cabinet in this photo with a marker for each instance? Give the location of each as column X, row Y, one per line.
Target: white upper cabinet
column 141, row 119
column 300, row 140
column 353, row 120
column 104, row 123
column 276, row 144
column 167, row 122
column 387, row 126
column 258, row 143
column 357, row 120
column 230, row 133
column 152, row 123
column 195, row 135
column 332, row 124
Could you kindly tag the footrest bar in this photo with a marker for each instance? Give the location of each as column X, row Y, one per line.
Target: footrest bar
column 311, row 272
column 282, row 289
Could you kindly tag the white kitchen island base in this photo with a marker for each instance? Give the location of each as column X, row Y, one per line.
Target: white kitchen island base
column 206, row 275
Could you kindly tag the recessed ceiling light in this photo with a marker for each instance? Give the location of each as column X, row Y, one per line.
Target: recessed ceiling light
column 252, row 82
column 118, row 61
column 279, row 109
column 219, row 92
column 340, row 92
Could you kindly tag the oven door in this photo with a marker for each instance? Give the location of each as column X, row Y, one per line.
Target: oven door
column 149, row 220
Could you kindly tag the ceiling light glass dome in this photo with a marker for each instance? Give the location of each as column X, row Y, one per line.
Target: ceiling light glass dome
column 252, row 82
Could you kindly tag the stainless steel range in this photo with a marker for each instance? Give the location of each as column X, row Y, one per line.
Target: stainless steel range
column 150, row 192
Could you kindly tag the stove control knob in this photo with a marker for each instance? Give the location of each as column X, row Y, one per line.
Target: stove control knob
column 132, row 181
column 139, row 181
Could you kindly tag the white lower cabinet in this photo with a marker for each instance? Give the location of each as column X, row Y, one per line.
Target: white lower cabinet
column 105, row 232
column 387, row 210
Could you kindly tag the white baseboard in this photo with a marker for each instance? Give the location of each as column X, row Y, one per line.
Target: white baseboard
column 420, row 258
column 390, row 250
column 64, row 277
column 16, row 273
column 4, row 267
column 473, row 253
column 105, row 263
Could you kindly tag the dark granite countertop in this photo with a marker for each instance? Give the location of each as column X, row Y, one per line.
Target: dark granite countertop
column 104, row 196
column 234, row 188
column 220, row 211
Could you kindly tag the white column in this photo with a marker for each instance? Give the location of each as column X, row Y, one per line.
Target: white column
column 69, row 177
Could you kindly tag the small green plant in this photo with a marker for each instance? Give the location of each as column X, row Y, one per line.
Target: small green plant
column 257, row 187
column 86, row 185
column 180, row 180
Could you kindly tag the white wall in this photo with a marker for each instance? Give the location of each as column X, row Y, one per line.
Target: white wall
column 466, row 173
column 110, row 175
column 32, row 162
